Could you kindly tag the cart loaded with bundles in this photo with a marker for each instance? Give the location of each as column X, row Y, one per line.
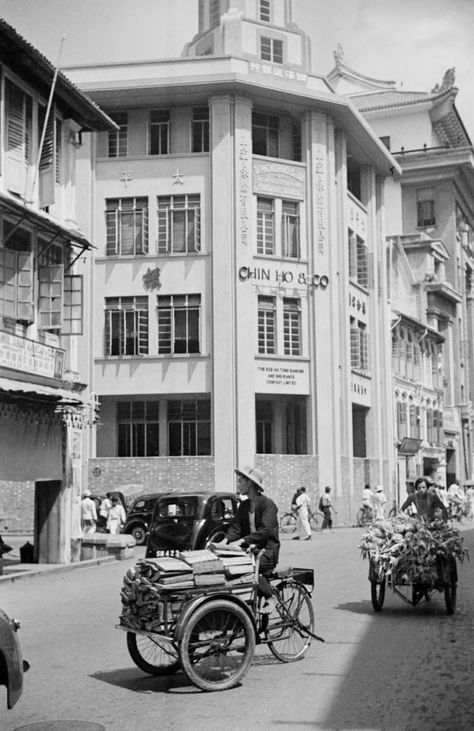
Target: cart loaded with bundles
column 413, row 558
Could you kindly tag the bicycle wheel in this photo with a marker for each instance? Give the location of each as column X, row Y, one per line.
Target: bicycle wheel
column 314, row 521
column 288, row 523
column 288, row 623
column 377, row 594
column 155, row 657
column 360, row 518
column 217, row 645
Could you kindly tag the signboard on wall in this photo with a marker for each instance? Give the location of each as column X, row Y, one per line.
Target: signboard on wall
column 29, row 356
column 281, row 377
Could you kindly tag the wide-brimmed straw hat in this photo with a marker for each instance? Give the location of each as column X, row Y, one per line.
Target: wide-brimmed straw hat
column 253, row 474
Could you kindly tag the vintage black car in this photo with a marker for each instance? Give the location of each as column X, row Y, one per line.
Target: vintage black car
column 12, row 665
column 140, row 515
column 189, row 520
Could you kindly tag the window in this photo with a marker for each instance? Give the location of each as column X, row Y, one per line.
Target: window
column 271, row 49
column 50, row 161
column 214, row 13
column 189, row 427
column 118, row 139
column 137, row 429
column 425, row 207
column 127, row 226
column 291, row 326
column 290, row 229
column 264, row 11
column 16, row 274
column 296, row 139
column 264, row 427
column 126, row 325
column 265, row 226
column 178, row 324
column 359, row 430
column 402, row 430
column 19, row 137
column 50, row 286
column 159, row 132
column 358, row 260
column 200, row 130
column 415, row 420
column 265, row 134
column 359, row 345
column 266, row 325
column 73, row 304
column 179, row 224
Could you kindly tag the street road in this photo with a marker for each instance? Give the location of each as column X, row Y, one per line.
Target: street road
column 405, row 668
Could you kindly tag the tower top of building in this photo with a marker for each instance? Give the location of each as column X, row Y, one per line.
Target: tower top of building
column 251, row 29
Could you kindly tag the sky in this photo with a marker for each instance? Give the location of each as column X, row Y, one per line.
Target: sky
column 412, row 42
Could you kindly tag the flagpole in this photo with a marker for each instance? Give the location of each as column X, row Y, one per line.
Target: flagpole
column 45, row 123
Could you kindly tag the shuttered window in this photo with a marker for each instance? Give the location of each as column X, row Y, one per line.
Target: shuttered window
column 179, row 324
column 16, row 275
column 19, row 137
column 179, row 224
column 127, row 226
column 126, row 326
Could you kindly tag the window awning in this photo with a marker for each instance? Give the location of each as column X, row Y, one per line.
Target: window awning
column 62, row 395
column 43, row 222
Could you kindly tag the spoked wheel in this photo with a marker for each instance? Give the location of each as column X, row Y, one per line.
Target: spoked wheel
column 314, row 522
column 377, row 592
column 363, row 517
column 217, row 645
column 293, row 615
column 450, row 597
column 155, row 657
column 288, row 523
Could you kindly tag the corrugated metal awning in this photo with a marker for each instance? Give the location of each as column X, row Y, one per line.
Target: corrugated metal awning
column 62, row 395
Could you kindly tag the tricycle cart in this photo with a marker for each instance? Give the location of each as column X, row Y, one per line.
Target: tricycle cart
column 414, row 593
column 211, row 632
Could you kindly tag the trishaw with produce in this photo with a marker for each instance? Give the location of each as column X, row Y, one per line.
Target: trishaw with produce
column 414, row 558
column 201, row 611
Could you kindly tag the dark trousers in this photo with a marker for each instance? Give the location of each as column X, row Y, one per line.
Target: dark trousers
column 327, row 522
column 267, row 564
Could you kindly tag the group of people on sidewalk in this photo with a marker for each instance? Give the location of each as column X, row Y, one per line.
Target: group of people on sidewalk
column 374, row 502
column 300, row 504
column 111, row 511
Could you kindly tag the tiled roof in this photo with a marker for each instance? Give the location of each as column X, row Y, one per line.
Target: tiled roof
column 391, row 98
column 29, row 63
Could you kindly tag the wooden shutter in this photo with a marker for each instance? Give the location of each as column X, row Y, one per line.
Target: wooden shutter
column 18, row 137
column 46, row 171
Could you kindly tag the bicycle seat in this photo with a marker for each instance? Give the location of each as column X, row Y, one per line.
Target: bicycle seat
column 281, row 573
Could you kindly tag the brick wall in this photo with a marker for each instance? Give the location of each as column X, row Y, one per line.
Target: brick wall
column 138, row 475
column 17, row 507
column 284, row 473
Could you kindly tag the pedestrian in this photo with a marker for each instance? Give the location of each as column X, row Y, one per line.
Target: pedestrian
column 104, row 510
column 116, row 518
column 302, row 522
column 256, row 524
column 367, row 501
column 88, row 514
column 325, row 504
column 378, row 501
column 294, row 499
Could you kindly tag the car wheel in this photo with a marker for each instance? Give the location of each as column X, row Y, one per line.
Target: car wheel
column 139, row 533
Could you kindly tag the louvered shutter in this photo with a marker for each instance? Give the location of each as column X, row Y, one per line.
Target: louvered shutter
column 46, row 165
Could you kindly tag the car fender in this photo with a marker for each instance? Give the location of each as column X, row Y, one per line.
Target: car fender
column 191, row 607
column 11, row 660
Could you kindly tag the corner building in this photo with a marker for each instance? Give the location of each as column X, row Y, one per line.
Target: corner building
column 239, row 310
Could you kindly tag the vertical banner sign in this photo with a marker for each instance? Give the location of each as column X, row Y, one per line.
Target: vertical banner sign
column 244, row 188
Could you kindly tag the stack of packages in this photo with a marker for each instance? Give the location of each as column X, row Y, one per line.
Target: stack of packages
column 407, row 549
column 144, row 586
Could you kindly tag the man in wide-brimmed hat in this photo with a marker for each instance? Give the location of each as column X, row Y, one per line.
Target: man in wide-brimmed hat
column 256, row 524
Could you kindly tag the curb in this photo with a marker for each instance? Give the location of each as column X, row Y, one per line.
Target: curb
column 56, row 569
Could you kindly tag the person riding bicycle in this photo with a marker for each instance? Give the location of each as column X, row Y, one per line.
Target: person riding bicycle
column 425, row 501
column 294, row 506
column 256, row 524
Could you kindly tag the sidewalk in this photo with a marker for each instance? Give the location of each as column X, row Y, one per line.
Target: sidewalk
column 14, row 569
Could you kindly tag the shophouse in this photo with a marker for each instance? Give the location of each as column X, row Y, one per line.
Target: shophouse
column 43, row 410
column 240, row 311
column 430, row 217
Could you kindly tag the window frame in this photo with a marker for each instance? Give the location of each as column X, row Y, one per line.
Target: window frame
column 265, row 226
column 169, row 308
column 292, row 344
column 272, row 49
column 129, row 314
column 425, row 207
column 159, row 132
column 290, row 250
column 135, row 434
column 265, row 134
column 189, row 427
column 266, row 325
column 200, row 129
column 117, row 140
column 168, row 209
column 265, row 11
column 116, row 211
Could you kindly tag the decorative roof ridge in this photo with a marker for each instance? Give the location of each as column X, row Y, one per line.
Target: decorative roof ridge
column 341, row 66
column 429, row 97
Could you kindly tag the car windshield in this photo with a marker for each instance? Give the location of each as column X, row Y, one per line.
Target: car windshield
column 177, row 507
